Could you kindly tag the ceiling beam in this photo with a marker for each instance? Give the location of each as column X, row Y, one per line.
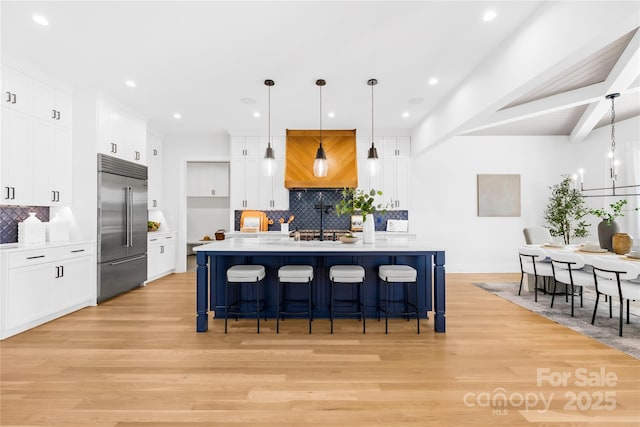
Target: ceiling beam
column 539, row 107
column 623, row 74
column 551, row 41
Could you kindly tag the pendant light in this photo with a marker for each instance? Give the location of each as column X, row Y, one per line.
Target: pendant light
column 372, row 155
column 320, row 164
column 269, row 162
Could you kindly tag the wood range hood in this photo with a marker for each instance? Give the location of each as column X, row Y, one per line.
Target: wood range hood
column 340, row 148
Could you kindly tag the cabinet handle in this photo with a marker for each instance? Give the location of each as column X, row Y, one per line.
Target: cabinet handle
column 213, row 192
column 155, row 152
column 13, row 98
column 168, row 237
column 53, row 114
column 77, row 250
column 13, row 193
column 152, row 240
column 137, row 155
column 161, row 249
column 53, row 196
column 62, row 271
column 57, row 196
column 57, row 115
column 57, row 271
column 155, row 203
column 35, row 257
column 8, row 193
column 8, row 96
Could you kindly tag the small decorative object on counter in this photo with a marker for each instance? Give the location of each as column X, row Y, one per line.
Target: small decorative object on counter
column 220, row 234
column 153, row 226
column 32, row 230
column 284, row 227
column 622, row 243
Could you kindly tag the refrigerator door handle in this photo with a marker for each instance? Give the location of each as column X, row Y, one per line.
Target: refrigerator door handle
column 127, row 260
column 129, row 217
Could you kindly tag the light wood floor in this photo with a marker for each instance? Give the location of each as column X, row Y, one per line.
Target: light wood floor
column 136, row 361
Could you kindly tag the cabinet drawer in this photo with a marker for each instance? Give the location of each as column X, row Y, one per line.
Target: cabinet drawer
column 75, row 251
column 34, row 257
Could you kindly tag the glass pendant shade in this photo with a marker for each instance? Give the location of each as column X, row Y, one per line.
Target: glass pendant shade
column 372, row 160
column 269, row 162
column 320, row 164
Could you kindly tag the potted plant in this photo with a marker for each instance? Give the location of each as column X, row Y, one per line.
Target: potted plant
column 607, row 228
column 565, row 211
column 357, row 200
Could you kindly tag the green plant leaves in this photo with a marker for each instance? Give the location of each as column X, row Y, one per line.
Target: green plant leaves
column 565, row 211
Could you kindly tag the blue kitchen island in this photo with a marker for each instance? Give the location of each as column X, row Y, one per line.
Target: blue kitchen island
column 215, row 258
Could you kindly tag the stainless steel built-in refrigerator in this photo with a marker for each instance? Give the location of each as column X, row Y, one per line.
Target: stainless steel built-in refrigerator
column 122, row 226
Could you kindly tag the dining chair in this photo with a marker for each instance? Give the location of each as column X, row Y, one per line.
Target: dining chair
column 533, row 261
column 613, row 277
column 568, row 268
column 536, row 235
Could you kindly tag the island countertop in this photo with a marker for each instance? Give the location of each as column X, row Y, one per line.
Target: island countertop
column 214, row 258
column 266, row 244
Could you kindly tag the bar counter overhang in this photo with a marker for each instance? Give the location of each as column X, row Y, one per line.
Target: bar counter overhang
column 215, row 258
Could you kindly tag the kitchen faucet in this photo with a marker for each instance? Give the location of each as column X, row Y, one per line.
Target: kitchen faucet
column 323, row 208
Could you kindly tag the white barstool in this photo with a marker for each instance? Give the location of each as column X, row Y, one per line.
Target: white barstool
column 301, row 275
column 398, row 274
column 351, row 275
column 239, row 274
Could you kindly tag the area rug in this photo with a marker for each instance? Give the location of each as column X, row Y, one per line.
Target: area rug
column 605, row 329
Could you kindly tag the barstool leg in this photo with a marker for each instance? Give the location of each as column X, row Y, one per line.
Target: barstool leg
column 279, row 308
column 226, row 305
column 386, row 306
column 331, row 304
column 257, row 288
column 361, row 298
column 310, row 305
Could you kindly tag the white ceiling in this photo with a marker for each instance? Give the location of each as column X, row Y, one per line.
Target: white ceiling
column 202, row 58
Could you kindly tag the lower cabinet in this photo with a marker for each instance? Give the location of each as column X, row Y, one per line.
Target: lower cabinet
column 161, row 254
column 39, row 285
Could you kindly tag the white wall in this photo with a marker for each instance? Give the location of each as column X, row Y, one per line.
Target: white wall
column 178, row 150
column 443, row 209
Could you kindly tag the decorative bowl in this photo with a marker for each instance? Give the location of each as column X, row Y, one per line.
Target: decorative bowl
column 349, row 239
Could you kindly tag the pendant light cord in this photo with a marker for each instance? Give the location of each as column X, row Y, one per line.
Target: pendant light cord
column 320, row 115
column 613, row 128
column 269, row 115
column 372, row 114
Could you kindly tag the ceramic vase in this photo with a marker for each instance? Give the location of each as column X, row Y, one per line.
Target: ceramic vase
column 32, row 230
column 605, row 234
column 369, row 230
column 622, row 243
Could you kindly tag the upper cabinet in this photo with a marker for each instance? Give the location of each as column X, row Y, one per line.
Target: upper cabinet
column 247, row 146
column 36, row 150
column 120, row 133
column 155, row 182
column 395, row 172
column 207, row 179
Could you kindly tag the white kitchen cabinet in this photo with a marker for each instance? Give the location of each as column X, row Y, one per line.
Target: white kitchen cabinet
column 36, row 142
column 396, row 173
column 245, row 183
column 161, row 254
column 120, row 134
column 208, row 179
column 273, row 194
column 17, row 90
column 39, row 285
column 53, row 105
column 16, row 157
column 247, row 146
column 155, row 181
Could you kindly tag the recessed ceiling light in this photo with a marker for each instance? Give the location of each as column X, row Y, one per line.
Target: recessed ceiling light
column 405, row 114
column 489, row 15
column 256, row 114
column 248, row 101
column 130, row 83
column 433, row 81
column 331, row 114
column 177, row 116
column 416, row 101
column 41, row 20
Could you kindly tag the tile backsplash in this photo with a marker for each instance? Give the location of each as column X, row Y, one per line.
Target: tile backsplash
column 304, row 205
column 10, row 216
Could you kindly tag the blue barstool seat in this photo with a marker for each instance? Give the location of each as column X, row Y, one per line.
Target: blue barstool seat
column 237, row 275
column 352, row 275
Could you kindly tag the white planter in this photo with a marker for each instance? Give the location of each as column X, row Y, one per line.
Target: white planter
column 31, row 230
column 369, row 230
